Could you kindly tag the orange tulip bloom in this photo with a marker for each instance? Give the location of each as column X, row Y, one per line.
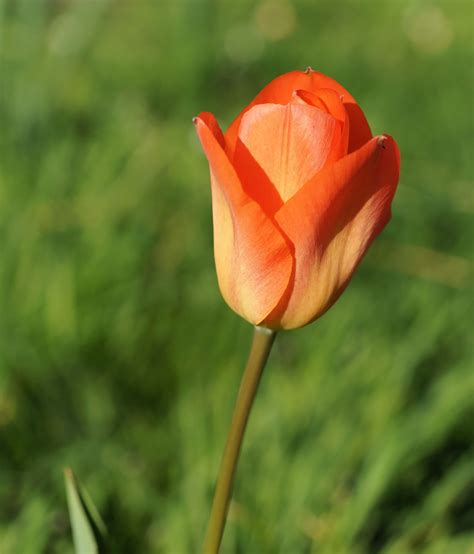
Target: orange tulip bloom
column 300, row 189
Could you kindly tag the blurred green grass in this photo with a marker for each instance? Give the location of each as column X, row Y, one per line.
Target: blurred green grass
column 119, row 358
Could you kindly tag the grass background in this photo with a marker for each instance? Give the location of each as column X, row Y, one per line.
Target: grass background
column 118, row 356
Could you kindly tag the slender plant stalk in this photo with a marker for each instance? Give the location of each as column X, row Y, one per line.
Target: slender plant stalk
column 261, row 345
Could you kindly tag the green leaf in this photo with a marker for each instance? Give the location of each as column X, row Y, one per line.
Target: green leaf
column 83, row 515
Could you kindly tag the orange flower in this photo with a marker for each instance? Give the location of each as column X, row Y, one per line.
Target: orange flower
column 300, row 189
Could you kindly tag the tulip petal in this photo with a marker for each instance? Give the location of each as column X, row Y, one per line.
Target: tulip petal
column 255, row 181
column 332, row 221
column 213, row 126
column 326, row 98
column 359, row 130
column 253, row 259
column 330, row 101
column 290, row 143
column 280, row 91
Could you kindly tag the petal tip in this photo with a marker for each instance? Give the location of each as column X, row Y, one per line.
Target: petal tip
column 381, row 140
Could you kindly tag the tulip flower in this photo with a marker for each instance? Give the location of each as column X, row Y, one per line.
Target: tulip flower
column 300, row 189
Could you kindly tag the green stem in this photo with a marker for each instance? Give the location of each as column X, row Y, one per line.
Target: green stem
column 261, row 345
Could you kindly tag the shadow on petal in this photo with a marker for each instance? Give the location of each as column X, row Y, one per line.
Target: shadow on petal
column 255, row 181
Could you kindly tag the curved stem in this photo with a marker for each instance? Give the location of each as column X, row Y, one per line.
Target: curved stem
column 261, row 345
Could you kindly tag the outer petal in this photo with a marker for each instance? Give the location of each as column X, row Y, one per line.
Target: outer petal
column 280, row 90
column 290, row 143
column 332, row 221
column 253, row 260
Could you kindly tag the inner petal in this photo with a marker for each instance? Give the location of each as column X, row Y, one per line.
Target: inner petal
column 331, row 102
column 290, row 142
